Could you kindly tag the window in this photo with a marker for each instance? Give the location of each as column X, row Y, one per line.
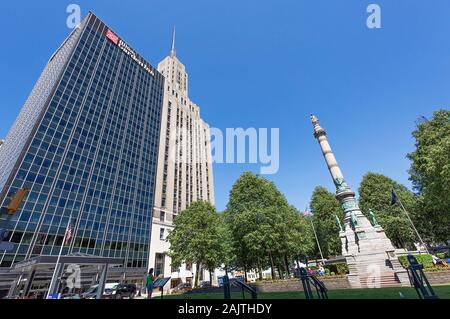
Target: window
column 159, row 264
column 162, row 217
column 161, row 234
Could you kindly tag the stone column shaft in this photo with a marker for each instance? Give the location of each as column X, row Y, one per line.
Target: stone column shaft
column 333, row 166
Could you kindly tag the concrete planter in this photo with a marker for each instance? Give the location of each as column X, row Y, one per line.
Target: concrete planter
column 296, row 285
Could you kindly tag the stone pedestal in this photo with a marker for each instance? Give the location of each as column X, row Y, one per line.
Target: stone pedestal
column 370, row 255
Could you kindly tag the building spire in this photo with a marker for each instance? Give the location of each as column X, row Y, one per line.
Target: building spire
column 173, row 52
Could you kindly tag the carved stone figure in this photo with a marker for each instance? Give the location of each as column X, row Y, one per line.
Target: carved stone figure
column 354, row 220
column 338, row 222
column 341, row 185
column 374, row 218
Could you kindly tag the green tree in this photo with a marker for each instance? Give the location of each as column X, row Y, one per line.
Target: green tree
column 325, row 207
column 227, row 252
column 430, row 174
column 264, row 227
column 299, row 235
column 197, row 238
column 375, row 193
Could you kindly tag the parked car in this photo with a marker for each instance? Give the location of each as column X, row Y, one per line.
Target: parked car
column 205, row 284
column 183, row 288
column 70, row 296
column 121, row 291
column 91, row 293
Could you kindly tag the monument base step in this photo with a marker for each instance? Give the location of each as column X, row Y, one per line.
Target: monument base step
column 385, row 280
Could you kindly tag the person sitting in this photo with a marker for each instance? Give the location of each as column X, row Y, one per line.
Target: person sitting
column 321, row 271
column 438, row 261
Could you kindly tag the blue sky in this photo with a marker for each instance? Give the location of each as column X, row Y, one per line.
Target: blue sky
column 269, row 64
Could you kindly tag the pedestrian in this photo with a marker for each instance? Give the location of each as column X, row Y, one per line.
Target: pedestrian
column 321, row 270
column 150, row 281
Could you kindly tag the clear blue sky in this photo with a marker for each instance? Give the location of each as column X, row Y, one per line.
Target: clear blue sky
column 270, row 64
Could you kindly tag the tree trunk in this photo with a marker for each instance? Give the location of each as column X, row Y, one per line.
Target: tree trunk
column 245, row 275
column 272, row 266
column 279, row 272
column 287, row 266
column 197, row 275
column 211, row 274
column 298, row 266
column 260, row 270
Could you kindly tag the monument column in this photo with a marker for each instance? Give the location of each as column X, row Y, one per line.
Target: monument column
column 369, row 253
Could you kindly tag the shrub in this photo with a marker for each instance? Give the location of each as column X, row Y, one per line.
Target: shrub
column 404, row 261
column 425, row 259
column 441, row 256
column 437, row 268
column 340, row 269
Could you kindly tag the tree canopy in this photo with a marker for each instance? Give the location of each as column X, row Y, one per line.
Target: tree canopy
column 375, row 193
column 198, row 237
column 265, row 229
column 325, row 207
column 430, row 174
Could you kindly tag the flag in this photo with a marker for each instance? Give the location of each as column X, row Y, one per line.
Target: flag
column 68, row 234
column 394, row 198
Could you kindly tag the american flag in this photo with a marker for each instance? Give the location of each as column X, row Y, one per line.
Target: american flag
column 394, row 198
column 68, row 234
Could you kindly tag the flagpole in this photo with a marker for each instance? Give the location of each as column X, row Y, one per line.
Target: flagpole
column 307, row 213
column 414, row 227
column 317, row 240
column 59, row 259
column 412, row 224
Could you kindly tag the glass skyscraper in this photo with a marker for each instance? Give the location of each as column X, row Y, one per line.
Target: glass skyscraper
column 86, row 146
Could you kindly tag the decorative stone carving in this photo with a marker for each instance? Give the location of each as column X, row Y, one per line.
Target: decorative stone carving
column 374, row 218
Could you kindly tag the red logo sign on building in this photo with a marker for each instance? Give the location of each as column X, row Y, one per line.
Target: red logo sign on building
column 112, row 36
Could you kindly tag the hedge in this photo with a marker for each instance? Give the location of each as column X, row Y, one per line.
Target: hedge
column 441, row 256
column 340, row 269
column 425, row 259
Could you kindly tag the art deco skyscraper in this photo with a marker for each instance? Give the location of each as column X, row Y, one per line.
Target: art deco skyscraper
column 185, row 172
column 86, row 144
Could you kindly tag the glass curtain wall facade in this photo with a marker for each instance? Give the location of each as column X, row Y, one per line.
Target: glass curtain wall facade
column 86, row 145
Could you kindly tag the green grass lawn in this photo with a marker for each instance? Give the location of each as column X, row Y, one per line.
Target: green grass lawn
column 386, row 293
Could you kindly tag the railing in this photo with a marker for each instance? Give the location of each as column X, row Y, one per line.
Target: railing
column 227, row 282
column 418, row 279
column 311, row 280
